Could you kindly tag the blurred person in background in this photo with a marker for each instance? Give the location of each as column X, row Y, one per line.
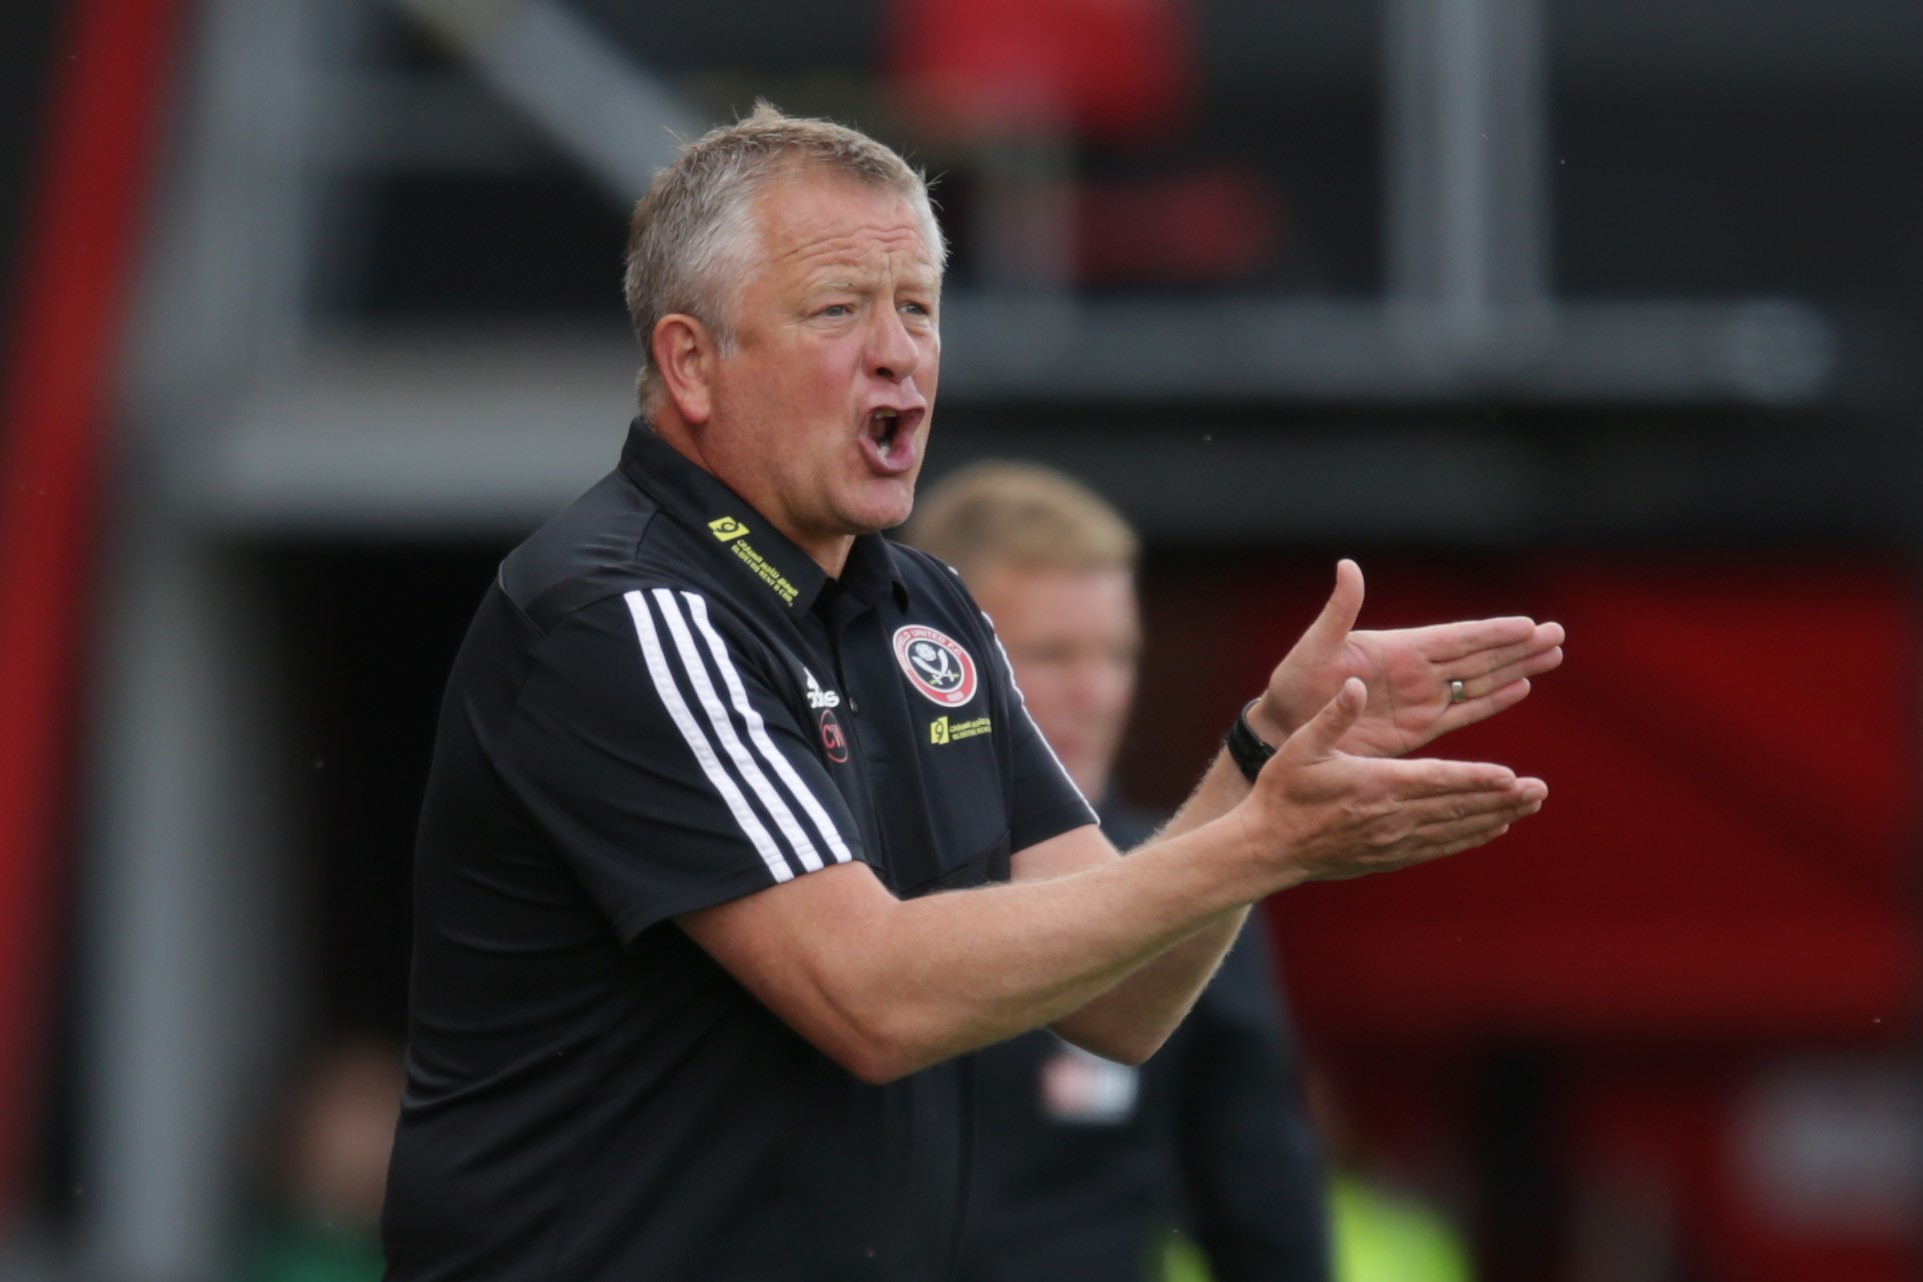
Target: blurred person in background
column 323, row 1223
column 1082, row 1164
column 685, row 1001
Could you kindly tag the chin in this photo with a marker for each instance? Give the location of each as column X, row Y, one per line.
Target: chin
column 882, row 512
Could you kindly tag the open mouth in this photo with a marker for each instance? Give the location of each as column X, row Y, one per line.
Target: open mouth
column 888, row 435
column 885, row 429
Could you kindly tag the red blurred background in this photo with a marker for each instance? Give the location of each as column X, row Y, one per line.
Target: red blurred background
column 1679, row 1001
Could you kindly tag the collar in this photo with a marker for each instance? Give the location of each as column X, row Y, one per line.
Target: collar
column 765, row 558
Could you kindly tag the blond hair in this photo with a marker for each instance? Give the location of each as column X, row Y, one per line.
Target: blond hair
column 693, row 235
column 1021, row 514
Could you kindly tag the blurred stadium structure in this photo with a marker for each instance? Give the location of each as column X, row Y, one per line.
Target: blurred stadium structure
column 1605, row 312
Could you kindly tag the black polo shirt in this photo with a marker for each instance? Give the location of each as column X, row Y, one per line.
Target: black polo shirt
column 663, row 704
column 1082, row 1166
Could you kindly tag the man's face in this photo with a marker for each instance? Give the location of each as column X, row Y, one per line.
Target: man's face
column 1074, row 638
column 820, row 414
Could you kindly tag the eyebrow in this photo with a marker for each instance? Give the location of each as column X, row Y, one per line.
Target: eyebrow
column 929, row 282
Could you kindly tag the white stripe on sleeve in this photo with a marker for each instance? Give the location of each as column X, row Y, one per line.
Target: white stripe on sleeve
column 704, row 753
column 758, row 731
column 770, row 797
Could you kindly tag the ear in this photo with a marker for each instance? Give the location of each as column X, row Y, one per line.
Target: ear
column 685, row 353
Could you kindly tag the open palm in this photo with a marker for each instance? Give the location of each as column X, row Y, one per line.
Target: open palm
column 1407, row 672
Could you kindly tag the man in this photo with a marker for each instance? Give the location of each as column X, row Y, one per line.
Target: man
column 1083, row 1163
column 685, row 1001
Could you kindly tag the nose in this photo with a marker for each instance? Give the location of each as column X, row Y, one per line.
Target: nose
column 893, row 353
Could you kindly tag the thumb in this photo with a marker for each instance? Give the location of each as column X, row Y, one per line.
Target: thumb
column 1332, row 627
column 1319, row 737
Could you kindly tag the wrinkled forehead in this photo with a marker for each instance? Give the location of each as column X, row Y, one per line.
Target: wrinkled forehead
column 819, row 219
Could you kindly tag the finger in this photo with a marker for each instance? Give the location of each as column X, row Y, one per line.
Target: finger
column 1409, row 778
column 1506, row 667
column 1454, row 716
column 1517, row 673
column 1446, row 830
column 1545, row 644
column 1332, row 627
column 1438, row 841
column 1443, row 813
column 1473, row 828
column 1507, row 685
column 1444, row 643
column 1435, row 825
column 1317, row 739
column 1530, row 665
column 1487, row 662
column 1539, row 652
column 1432, row 842
column 1470, row 841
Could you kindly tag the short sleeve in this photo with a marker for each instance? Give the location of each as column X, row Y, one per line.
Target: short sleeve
column 1046, row 802
column 651, row 750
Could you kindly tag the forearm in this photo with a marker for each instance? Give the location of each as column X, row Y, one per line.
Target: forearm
column 887, row 987
column 1132, row 1019
column 1221, row 789
column 1114, row 954
column 897, row 985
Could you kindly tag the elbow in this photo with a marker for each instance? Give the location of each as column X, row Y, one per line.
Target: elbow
column 1130, row 1046
column 879, row 1064
column 873, row 1031
column 1134, row 1052
column 879, row 1055
column 876, row 1069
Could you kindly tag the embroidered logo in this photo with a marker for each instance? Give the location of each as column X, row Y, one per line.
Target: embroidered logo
column 818, row 697
column 833, row 741
column 936, row 665
column 730, row 531
column 942, row 730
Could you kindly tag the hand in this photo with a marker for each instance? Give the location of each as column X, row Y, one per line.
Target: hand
column 1330, row 815
column 1406, row 673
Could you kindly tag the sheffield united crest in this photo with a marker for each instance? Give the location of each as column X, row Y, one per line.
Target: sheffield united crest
column 936, row 665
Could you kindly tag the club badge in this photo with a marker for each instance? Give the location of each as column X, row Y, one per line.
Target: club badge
column 936, row 665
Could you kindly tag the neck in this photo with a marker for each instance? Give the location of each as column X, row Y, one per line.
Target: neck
column 830, row 552
column 831, row 556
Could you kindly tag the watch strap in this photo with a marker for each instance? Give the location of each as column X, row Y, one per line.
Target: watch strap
column 1249, row 752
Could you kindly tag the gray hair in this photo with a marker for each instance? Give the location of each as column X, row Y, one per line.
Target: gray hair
column 694, row 233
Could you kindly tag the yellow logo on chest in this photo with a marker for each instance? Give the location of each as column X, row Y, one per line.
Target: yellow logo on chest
column 943, row 730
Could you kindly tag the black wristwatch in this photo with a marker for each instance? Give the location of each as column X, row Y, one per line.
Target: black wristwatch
column 1249, row 752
